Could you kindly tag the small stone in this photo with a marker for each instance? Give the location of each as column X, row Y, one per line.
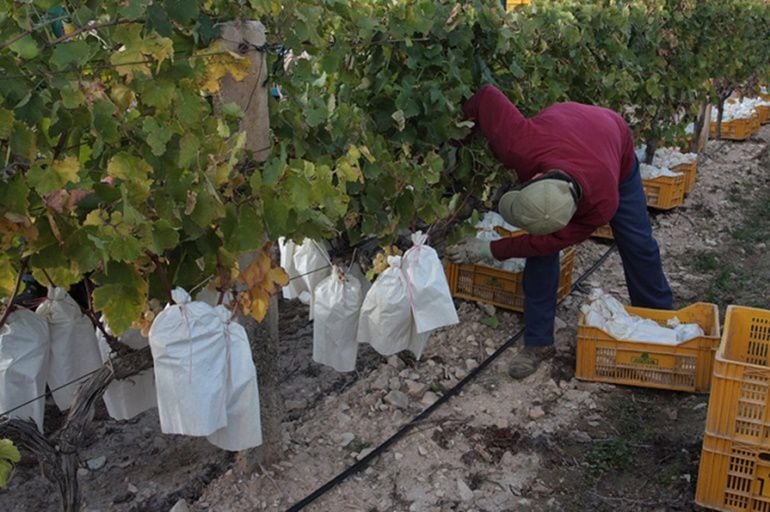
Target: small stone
column 761, row 245
column 470, row 364
column 488, row 309
column 394, row 383
column 536, row 413
column 465, row 492
column 559, row 324
column 686, row 477
column 698, row 407
column 397, row 399
column 471, row 338
column 581, row 437
column 381, row 382
column 96, row 463
column 396, row 362
column 159, row 444
column 364, row 453
column 501, row 423
column 422, row 451
column 415, row 388
column 295, row 405
column 180, row 506
column 123, row 497
column 346, row 438
column 489, row 351
column 489, row 342
column 398, row 456
column 132, row 488
column 428, row 398
column 83, row 472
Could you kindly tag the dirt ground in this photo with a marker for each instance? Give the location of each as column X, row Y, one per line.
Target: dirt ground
column 547, row 443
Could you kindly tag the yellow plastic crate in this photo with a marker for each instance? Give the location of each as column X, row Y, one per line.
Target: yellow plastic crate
column 739, row 405
column 763, row 112
column 601, row 357
column 737, row 129
column 733, row 476
column 499, row 287
column 510, row 4
column 664, row 192
column 604, row 232
column 689, row 170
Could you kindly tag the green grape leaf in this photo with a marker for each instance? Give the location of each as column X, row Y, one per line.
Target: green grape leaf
column 243, row 232
column 104, row 123
column 26, row 48
column 189, row 145
column 164, row 236
column 71, row 53
column 158, row 93
column 182, row 11
column 128, row 167
column 55, row 176
column 23, row 141
column 6, row 123
column 9, row 455
column 124, row 248
column 157, row 135
column 121, row 305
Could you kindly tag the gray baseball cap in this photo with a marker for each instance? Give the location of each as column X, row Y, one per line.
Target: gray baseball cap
column 541, row 207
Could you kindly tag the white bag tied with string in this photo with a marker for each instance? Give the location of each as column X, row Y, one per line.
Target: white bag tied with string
column 295, row 287
column 74, row 351
column 312, row 265
column 129, row 397
column 432, row 304
column 190, row 367
column 336, row 308
column 244, row 428
column 24, row 349
column 386, row 321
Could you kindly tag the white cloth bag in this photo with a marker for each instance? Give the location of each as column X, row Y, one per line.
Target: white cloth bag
column 336, row 308
column 311, row 264
column 74, row 350
column 386, row 321
column 431, row 300
column 24, row 349
column 244, row 428
column 190, row 355
column 129, row 397
column 295, row 287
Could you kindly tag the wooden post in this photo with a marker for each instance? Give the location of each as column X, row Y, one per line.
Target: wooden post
column 251, row 95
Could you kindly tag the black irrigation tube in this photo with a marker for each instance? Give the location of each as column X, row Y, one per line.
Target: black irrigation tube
column 361, row 464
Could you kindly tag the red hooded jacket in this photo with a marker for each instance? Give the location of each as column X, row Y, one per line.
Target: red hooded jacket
column 592, row 144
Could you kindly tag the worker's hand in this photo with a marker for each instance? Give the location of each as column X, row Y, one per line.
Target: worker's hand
column 469, row 250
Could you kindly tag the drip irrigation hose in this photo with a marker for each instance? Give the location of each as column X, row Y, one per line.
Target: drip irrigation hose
column 361, row 464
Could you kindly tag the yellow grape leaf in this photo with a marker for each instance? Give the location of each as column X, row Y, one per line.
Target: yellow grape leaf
column 160, row 48
column 129, row 63
column 7, row 277
column 67, row 169
column 220, row 63
column 262, row 278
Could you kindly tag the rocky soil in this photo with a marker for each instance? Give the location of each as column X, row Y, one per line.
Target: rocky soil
column 549, row 442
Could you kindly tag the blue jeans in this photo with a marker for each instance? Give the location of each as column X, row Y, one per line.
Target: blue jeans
column 639, row 252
